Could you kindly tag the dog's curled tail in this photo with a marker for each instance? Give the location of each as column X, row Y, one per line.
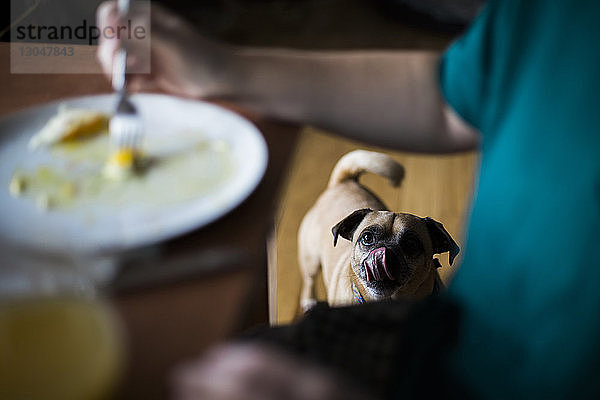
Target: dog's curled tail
column 355, row 163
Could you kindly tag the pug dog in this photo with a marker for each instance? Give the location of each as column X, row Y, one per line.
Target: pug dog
column 383, row 254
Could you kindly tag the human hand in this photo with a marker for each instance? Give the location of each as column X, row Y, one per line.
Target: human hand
column 253, row 372
column 181, row 61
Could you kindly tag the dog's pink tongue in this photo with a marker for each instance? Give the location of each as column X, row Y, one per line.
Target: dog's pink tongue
column 376, row 266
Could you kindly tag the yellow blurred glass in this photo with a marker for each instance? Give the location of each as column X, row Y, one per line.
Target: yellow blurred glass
column 58, row 339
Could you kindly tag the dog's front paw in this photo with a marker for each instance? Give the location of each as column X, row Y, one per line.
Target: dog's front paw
column 307, row 304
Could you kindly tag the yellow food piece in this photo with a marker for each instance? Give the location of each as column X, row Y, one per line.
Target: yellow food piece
column 122, row 157
column 88, row 124
column 120, row 164
column 17, row 185
column 70, row 124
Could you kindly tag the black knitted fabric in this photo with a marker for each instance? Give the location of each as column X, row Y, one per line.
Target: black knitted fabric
column 391, row 349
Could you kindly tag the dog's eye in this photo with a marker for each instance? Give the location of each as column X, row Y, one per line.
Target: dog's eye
column 367, row 238
column 411, row 245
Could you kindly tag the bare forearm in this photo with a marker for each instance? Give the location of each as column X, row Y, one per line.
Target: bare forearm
column 390, row 99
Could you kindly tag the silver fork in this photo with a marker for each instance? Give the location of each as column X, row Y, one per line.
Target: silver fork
column 125, row 126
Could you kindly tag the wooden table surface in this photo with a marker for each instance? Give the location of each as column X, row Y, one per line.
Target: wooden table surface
column 170, row 319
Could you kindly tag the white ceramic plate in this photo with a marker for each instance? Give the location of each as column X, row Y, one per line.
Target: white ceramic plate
column 98, row 229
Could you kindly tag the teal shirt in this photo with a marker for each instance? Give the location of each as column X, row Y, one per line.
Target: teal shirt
column 527, row 75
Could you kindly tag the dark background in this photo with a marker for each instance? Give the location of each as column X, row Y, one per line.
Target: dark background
column 291, row 23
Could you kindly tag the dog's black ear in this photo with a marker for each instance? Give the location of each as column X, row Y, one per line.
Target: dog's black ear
column 346, row 227
column 441, row 239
